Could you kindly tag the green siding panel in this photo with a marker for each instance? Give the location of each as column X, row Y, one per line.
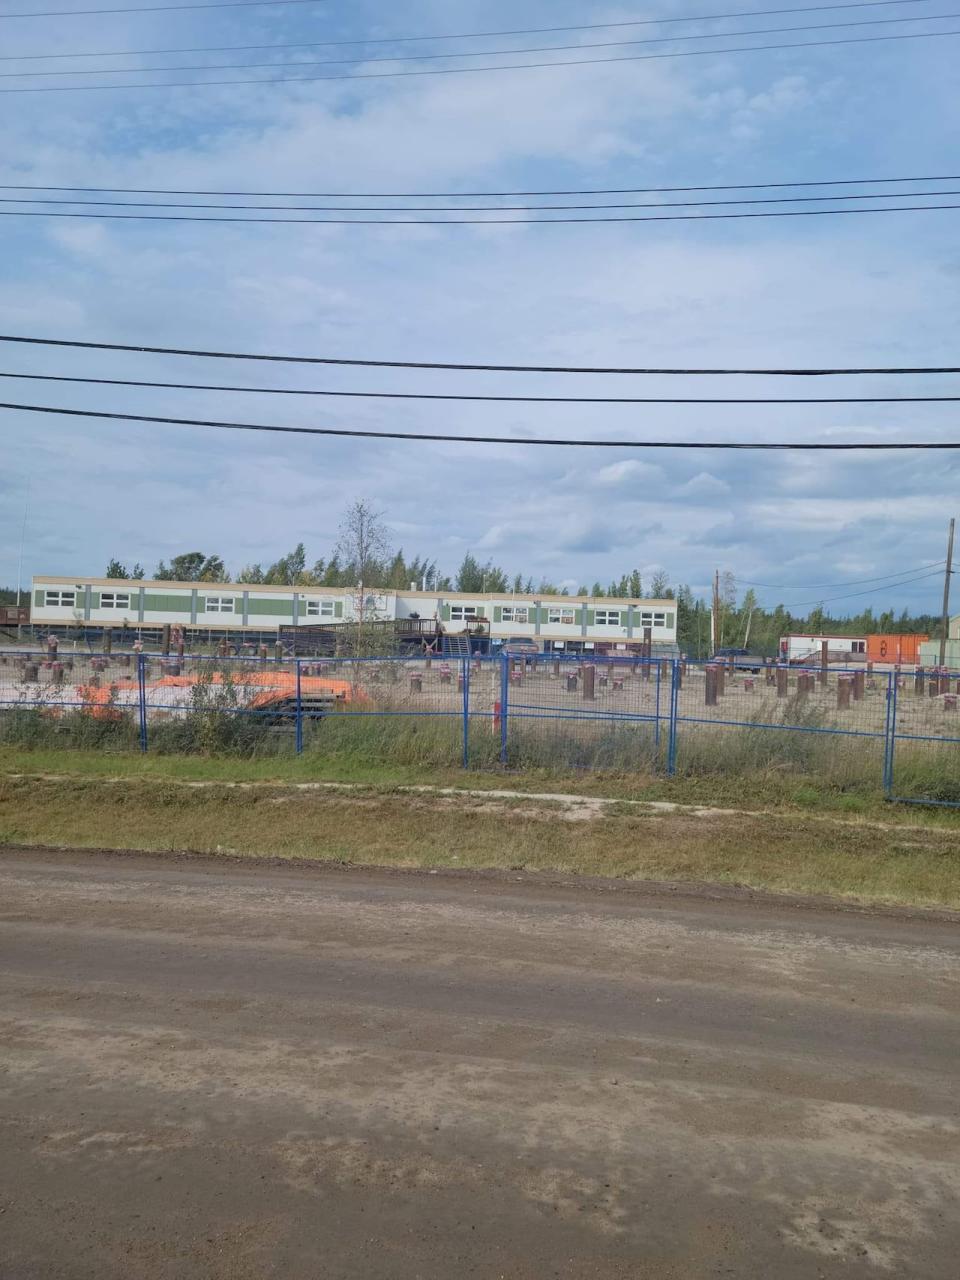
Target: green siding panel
column 338, row 609
column 669, row 619
column 445, row 613
column 497, row 613
column 277, row 607
column 481, row 610
column 38, row 599
column 154, row 602
column 94, row 599
column 591, row 617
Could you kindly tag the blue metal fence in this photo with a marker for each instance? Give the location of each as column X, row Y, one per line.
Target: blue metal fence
column 615, row 711
column 923, row 763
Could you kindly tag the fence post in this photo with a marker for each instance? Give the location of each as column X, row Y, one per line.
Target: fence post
column 504, row 700
column 890, row 734
column 142, row 698
column 299, row 710
column 672, row 722
column 656, row 724
column 466, row 711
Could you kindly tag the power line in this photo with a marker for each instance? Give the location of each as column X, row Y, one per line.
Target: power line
column 470, row 222
column 482, row 53
column 510, row 66
column 421, row 395
column 553, row 442
column 461, row 35
column 489, row 195
column 870, row 591
column 849, row 582
column 142, row 349
column 155, row 8
column 503, row 208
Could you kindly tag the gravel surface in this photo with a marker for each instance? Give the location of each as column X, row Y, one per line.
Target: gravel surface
column 225, row 1071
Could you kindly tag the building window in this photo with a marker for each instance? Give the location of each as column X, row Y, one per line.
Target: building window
column 319, row 608
column 653, row 619
column 60, row 599
column 462, row 612
column 514, row 613
column 567, row 617
column 607, row 617
column 859, row 646
column 114, row 600
column 219, row 604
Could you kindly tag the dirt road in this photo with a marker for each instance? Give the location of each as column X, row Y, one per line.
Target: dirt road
column 239, row 1072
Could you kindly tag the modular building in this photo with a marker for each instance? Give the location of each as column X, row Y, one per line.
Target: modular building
column 572, row 624
column 893, row 650
column 930, row 654
column 808, row 648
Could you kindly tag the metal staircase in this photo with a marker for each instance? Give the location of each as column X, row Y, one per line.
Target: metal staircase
column 456, row 646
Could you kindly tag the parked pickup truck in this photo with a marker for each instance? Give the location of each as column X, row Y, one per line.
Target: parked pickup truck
column 743, row 659
column 520, row 647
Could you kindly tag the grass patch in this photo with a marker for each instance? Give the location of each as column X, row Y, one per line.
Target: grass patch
column 778, row 852
column 773, row 786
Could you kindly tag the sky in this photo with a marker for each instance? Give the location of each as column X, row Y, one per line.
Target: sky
column 877, row 290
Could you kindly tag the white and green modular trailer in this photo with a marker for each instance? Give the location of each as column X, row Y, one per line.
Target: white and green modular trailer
column 553, row 623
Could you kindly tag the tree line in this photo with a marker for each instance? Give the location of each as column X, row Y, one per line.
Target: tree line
column 744, row 623
column 363, row 554
column 393, row 572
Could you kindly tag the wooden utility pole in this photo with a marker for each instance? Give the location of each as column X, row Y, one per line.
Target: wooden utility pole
column 746, row 638
column 945, row 627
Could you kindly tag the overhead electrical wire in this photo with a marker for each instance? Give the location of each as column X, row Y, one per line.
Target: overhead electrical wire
column 488, row 195
column 499, row 399
column 154, row 8
column 469, row 35
column 474, row 209
column 777, row 372
column 852, row 595
column 799, row 446
column 510, row 66
column 481, row 53
column 849, row 582
column 473, row 222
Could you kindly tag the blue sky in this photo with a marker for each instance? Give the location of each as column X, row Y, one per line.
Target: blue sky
column 877, row 290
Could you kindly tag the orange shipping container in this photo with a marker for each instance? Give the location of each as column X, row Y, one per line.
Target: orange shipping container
column 895, row 649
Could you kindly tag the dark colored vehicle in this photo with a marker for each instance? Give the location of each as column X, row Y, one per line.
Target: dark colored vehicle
column 742, row 659
column 520, row 647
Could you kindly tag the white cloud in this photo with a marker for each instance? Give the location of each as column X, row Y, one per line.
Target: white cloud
column 84, row 239
column 703, row 485
column 630, row 471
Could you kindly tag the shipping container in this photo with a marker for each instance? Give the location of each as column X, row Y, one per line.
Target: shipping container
column 898, row 649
